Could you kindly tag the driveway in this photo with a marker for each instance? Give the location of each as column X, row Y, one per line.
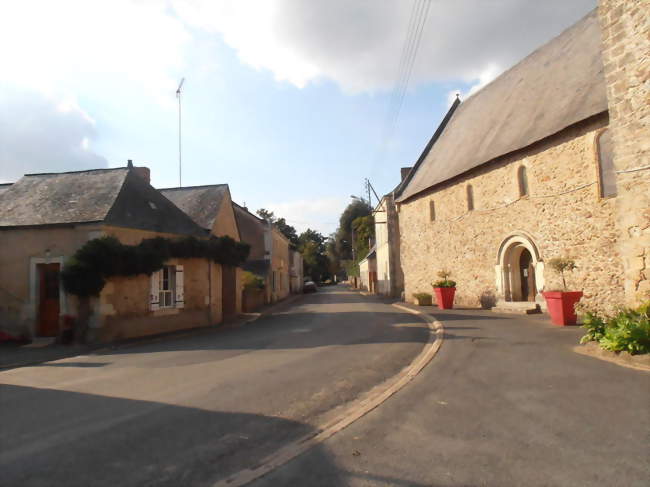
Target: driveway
column 506, row 402
column 193, row 410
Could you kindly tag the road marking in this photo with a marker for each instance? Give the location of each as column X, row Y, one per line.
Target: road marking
column 355, row 410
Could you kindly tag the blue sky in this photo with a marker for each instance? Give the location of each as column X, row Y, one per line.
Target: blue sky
column 285, row 101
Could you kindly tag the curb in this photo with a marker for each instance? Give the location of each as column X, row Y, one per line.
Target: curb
column 355, row 410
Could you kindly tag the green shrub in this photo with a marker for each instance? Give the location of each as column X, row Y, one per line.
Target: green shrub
column 562, row 265
column 86, row 272
column 595, row 326
column 444, row 279
column 252, row 281
column 422, row 296
column 627, row 331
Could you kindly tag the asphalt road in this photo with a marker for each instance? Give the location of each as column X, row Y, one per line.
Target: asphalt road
column 193, row 410
column 505, row 402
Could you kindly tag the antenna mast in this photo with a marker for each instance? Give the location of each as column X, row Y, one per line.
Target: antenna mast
column 178, row 95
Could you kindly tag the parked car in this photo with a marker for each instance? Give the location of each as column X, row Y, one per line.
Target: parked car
column 309, row 287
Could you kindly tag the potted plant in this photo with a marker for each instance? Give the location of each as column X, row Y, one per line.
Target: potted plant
column 445, row 289
column 561, row 304
column 422, row 299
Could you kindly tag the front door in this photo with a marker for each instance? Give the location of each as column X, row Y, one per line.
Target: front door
column 48, row 299
column 527, row 275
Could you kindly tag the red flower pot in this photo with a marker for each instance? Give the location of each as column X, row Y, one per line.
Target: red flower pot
column 561, row 306
column 445, row 297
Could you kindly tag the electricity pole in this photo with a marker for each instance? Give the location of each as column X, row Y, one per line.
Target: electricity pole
column 178, row 95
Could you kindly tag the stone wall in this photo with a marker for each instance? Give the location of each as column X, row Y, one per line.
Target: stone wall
column 626, row 57
column 563, row 215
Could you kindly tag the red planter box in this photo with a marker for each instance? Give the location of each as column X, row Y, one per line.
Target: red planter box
column 561, row 306
column 445, row 297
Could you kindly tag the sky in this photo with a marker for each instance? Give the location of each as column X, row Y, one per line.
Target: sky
column 290, row 102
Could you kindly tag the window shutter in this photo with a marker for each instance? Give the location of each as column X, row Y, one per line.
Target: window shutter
column 154, row 297
column 179, row 294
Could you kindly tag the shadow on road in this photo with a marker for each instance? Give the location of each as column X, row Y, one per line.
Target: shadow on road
column 53, row 437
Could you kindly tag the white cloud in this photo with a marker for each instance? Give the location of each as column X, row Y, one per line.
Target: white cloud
column 357, row 44
column 485, row 77
column 38, row 134
column 318, row 214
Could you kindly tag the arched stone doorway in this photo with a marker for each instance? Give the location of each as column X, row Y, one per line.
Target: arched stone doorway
column 519, row 269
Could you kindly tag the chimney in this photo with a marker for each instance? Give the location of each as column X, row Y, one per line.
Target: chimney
column 405, row 172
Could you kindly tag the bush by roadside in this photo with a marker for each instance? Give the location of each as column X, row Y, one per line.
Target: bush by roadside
column 626, row 331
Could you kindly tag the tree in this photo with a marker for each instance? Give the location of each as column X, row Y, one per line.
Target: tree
column 281, row 224
column 316, row 262
column 357, row 208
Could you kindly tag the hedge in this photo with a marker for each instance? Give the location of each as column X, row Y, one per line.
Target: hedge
column 86, row 272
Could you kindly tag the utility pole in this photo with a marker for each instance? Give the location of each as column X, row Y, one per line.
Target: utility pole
column 369, row 187
column 178, row 95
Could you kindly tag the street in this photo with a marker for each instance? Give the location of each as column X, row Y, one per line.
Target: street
column 194, row 410
column 504, row 402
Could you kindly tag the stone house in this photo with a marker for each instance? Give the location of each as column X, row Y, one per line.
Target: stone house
column 269, row 257
column 45, row 218
column 390, row 278
column 296, row 272
column 211, row 208
column 368, row 271
column 549, row 159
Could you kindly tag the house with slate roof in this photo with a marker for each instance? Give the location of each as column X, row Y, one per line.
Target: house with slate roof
column 211, row 208
column 270, row 256
column 45, row 218
column 528, row 169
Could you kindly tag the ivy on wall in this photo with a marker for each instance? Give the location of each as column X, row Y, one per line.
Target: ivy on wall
column 86, row 272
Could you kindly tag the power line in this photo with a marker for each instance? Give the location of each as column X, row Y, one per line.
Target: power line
column 410, row 48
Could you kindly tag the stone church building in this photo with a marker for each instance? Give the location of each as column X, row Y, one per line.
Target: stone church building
column 551, row 159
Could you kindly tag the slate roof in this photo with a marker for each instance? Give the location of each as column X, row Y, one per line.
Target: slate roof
column 117, row 197
column 251, row 231
column 4, row 187
column 201, row 203
column 556, row 86
column 55, row 198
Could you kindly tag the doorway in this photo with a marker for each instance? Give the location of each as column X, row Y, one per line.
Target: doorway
column 527, row 276
column 519, row 269
column 48, row 299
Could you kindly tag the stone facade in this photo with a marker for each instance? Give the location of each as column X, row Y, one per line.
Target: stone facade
column 562, row 215
column 390, row 279
column 625, row 28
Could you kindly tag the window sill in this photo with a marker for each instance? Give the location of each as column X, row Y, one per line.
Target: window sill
column 166, row 311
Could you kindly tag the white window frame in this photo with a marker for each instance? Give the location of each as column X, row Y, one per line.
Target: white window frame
column 167, row 293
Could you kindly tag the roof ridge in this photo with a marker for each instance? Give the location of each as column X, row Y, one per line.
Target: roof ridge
column 74, row 172
column 193, row 187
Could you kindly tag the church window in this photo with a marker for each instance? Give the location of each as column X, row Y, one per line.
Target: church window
column 432, row 210
column 606, row 171
column 470, row 197
column 522, row 180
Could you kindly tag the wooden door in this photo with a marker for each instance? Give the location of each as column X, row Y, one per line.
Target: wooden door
column 48, row 299
column 527, row 276
column 228, row 291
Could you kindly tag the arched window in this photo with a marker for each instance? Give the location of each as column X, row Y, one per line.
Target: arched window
column 606, row 171
column 432, row 210
column 470, row 197
column 522, row 180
